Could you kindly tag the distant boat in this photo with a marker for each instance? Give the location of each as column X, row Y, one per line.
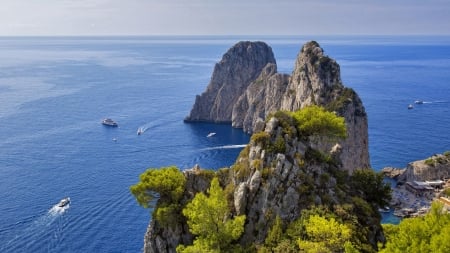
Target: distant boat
column 64, row 202
column 139, row 131
column 211, row 135
column 410, row 106
column 419, row 102
column 385, row 209
column 109, row 122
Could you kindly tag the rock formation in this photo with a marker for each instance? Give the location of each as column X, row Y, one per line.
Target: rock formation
column 278, row 174
column 392, row 172
column 259, row 90
column 231, row 77
column 436, row 167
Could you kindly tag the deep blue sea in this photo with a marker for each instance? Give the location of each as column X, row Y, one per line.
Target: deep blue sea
column 54, row 92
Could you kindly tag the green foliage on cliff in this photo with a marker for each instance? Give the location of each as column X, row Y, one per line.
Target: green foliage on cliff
column 430, row 233
column 167, row 183
column 371, row 187
column 316, row 121
column 208, row 218
column 325, row 235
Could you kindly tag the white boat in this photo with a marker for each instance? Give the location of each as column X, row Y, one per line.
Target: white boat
column 64, row 202
column 410, row 106
column 139, row 131
column 211, row 135
column 109, row 122
column 419, row 102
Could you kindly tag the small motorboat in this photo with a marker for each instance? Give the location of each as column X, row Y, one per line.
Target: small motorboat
column 418, row 102
column 410, row 106
column 211, row 135
column 109, row 122
column 64, row 202
column 139, row 131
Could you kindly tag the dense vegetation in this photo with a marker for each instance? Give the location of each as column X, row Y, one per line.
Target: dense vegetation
column 166, row 183
column 316, row 121
column 430, row 233
column 209, row 219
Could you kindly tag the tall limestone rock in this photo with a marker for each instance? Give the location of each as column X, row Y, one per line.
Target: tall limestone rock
column 245, row 95
column 316, row 80
column 261, row 97
column 241, row 65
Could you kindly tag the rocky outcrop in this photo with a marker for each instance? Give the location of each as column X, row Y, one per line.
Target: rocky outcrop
column 392, row 172
column 278, row 174
column 436, row 167
column 241, row 65
column 250, row 98
column 261, row 98
column 164, row 237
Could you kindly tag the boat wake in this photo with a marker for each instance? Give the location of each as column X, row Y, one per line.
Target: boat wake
column 226, row 147
column 145, row 127
column 32, row 234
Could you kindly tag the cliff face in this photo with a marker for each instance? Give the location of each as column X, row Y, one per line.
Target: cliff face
column 436, row 167
column 433, row 168
column 278, row 174
column 247, row 99
column 241, row 65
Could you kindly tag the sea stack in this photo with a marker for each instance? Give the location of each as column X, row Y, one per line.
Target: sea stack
column 230, row 78
column 245, row 88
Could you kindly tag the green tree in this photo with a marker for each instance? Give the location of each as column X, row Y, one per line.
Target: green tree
column 208, row 217
column 167, row 183
column 316, row 121
column 325, row 235
column 371, row 186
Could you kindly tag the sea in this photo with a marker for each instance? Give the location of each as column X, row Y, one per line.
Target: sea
column 55, row 91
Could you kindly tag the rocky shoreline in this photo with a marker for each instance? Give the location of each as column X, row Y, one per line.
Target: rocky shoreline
column 419, row 184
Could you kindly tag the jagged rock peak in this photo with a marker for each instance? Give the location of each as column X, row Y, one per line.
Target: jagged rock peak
column 314, row 77
column 239, row 66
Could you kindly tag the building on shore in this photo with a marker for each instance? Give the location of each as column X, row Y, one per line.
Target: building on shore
column 420, row 188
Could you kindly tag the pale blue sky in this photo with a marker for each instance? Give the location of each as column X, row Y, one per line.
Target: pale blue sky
column 223, row 17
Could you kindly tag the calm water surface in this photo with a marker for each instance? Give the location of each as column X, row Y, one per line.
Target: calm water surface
column 54, row 92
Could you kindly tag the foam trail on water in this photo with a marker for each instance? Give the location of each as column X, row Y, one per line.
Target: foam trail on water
column 226, row 147
column 37, row 230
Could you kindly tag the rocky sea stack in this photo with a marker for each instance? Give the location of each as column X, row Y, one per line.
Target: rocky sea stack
column 245, row 88
column 240, row 66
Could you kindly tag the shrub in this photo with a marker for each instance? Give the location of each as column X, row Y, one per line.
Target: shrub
column 429, row 162
column 262, row 138
column 316, row 121
column 167, row 183
column 279, row 146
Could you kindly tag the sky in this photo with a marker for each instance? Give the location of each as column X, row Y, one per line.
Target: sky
column 224, row 17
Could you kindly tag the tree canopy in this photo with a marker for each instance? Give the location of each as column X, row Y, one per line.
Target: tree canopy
column 167, row 183
column 371, row 186
column 325, row 235
column 316, row 121
column 208, row 218
column 427, row 234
